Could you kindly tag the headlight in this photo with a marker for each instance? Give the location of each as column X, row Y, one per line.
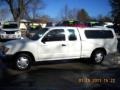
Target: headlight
column 18, row 32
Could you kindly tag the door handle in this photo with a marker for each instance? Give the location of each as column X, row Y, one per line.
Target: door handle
column 63, row 45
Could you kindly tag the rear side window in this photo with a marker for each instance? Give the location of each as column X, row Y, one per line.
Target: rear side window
column 72, row 36
column 99, row 34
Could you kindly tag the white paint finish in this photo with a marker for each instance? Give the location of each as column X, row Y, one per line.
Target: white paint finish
column 73, row 47
column 82, row 47
column 16, row 31
column 51, row 50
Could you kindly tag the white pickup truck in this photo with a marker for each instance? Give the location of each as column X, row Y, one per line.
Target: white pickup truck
column 60, row 43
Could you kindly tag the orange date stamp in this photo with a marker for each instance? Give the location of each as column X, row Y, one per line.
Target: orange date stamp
column 97, row 80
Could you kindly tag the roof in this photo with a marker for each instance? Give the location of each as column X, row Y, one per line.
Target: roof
column 89, row 28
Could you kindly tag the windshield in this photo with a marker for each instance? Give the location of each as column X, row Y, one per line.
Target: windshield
column 39, row 34
column 70, row 22
column 10, row 26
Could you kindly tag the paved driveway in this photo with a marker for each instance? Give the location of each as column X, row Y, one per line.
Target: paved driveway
column 64, row 75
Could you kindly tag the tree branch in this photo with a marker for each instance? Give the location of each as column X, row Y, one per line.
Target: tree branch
column 27, row 2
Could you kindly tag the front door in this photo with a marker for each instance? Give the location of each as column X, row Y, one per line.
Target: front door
column 53, row 45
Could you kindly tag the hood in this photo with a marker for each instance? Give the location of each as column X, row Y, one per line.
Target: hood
column 14, row 29
column 19, row 45
column 18, row 42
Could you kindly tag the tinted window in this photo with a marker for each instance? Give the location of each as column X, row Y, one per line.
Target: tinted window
column 109, row 26
column 100, row 34
column 39, row 34
column 70, row 22
column 55, row 35
column 8, row 26
column 32, row 28
column 72, row 35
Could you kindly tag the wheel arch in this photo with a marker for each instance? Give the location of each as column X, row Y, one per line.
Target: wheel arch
column 102, row 49
column 26, row 52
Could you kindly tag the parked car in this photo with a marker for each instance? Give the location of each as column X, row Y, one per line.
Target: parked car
column 73, row 23
column 117, row 28
column 94, row 23
column 32, row 30
column 10, row 30
column 60, row 43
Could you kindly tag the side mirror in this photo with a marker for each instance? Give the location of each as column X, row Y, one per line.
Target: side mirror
column 43, row 41
column 46, row 38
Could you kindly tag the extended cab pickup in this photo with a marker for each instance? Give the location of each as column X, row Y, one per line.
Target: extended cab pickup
column 60, row 43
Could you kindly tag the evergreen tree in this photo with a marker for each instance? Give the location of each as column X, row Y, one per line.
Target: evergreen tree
column 83, row 16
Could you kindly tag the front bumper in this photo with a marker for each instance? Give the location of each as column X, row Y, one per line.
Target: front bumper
column 6, row 58
column 10, row 36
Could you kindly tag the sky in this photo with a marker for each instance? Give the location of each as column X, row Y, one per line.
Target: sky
column 93, row 7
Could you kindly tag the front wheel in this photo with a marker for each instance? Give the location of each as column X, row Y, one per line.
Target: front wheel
column 22, row 62
column 98, row 56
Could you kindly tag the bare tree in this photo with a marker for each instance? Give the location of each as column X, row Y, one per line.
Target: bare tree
column 115, row 4
column 34, row 8
column 67, row 13
column 3, row 14
column 101, row 18
column 19, row 8
column 72, row 14
column 64, row 12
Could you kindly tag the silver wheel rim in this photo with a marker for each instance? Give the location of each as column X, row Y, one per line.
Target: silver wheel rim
column 99, row 57
column 22, row 62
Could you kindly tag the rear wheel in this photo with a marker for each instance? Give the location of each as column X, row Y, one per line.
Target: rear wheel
column 22, row 61
column 98, row 56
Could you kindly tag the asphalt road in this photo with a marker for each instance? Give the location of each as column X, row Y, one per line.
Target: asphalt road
column 64, row 75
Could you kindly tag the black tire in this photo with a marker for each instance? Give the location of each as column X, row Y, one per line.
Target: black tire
column 97, row 56
column 22, row 62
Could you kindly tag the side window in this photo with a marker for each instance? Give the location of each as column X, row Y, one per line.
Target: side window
column 55, row 35
column 72, row 35
column 99, row 34
column 108, row 34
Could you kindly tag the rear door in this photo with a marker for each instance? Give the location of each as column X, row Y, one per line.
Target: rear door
column 73, row 43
